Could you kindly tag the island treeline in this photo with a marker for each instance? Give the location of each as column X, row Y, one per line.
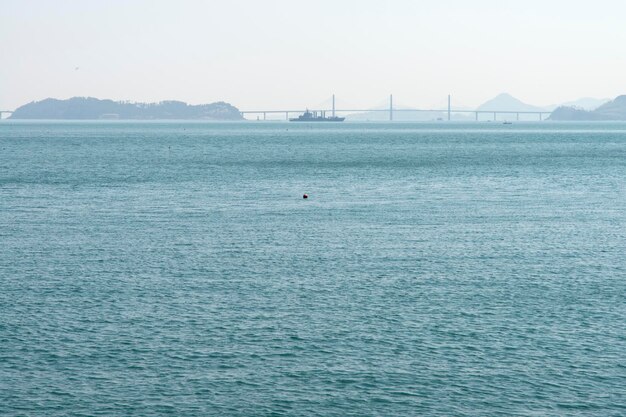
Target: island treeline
column 86, row 108
column 613, row 110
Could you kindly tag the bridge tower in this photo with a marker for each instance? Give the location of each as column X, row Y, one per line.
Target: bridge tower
column 390, row 107
column 449, row 99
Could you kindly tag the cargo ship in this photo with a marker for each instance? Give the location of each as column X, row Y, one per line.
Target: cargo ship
column 316, row 117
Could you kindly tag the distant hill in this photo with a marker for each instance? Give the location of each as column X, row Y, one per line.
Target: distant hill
column 613, row 110
column 85, row 108
column 398, row 116
column 406, row 116
column 506, row 102
column 585, row 103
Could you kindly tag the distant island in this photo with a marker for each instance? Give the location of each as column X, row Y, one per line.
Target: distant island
column 89, row 108
column 613, row 110
column 504, row 104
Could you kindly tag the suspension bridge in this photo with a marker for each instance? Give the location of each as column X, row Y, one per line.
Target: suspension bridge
column 391, row 110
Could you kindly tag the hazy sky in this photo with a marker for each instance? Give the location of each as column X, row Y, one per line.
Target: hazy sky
column 287, row 53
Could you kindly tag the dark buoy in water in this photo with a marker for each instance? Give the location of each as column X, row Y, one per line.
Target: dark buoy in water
column 305, row 196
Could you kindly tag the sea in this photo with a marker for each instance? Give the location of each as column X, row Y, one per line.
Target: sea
column 435, row 269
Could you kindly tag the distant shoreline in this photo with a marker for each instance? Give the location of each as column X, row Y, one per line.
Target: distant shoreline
column 93, row 109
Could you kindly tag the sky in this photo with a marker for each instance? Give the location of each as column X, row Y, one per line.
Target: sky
column 278, row 54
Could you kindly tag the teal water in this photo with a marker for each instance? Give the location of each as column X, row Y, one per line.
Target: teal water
column 174, row 269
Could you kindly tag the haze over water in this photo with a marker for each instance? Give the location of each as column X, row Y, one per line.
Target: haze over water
column 436, row 269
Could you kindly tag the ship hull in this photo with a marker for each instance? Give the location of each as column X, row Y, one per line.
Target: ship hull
column 319, row 119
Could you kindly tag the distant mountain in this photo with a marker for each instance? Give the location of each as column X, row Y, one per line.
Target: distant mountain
column 405, row 116
column 585, row 103
column 398, row 116
column 613, row 110
column 92, row 108
column 565, row 113
column 506, row 102
column 403, row 113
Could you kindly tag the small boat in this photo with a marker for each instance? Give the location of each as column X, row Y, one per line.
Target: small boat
column 507, row 123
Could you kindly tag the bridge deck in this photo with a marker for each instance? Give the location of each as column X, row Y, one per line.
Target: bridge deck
column 396, row 110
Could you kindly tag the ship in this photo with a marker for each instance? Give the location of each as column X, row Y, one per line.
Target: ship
column 316, row 117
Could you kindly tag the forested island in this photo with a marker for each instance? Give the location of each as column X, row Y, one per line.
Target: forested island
column 613, row 110
column 89, row 108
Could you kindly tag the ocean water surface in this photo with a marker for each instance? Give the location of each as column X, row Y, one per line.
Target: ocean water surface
column 151, row 268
